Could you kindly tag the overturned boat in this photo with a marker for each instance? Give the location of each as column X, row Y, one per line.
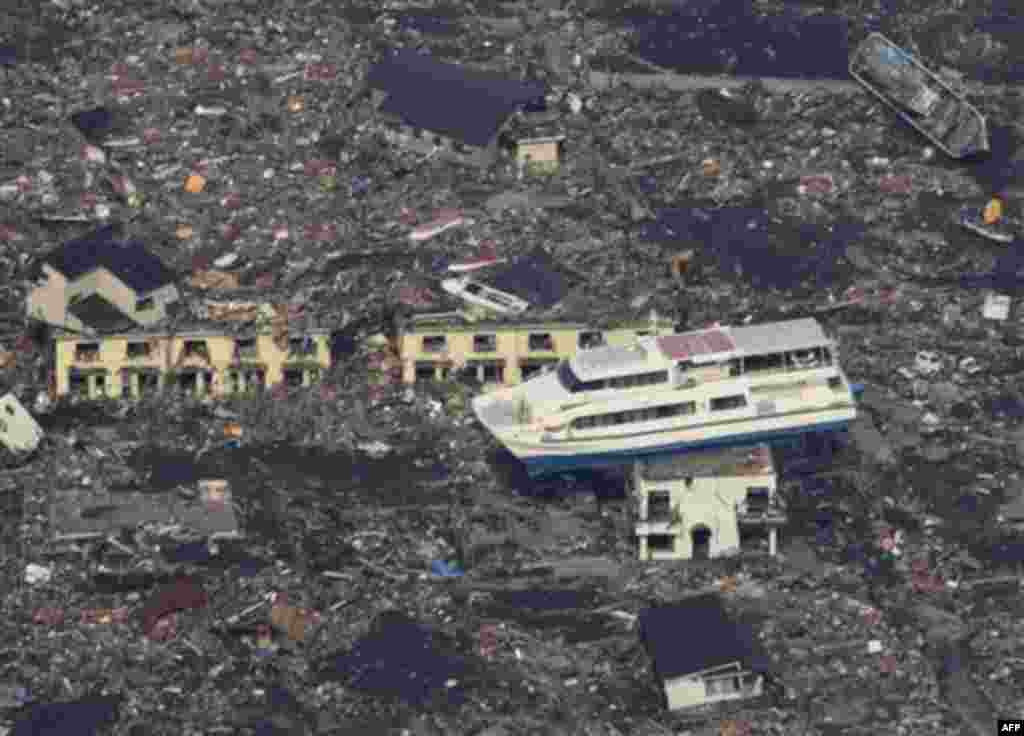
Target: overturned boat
column 919, row 97
column 719, row 387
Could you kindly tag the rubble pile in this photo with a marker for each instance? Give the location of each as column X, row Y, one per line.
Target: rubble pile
column 351, row 554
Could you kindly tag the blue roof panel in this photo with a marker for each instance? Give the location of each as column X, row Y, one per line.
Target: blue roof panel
column 695, row 635
column 130, row 261
column 468, row 105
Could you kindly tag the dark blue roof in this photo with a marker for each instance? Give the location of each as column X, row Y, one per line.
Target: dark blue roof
column 402, row 659
column 131, row 262
column 695, row 635
column 534, row 277
column 96, row 312
column 467, row 105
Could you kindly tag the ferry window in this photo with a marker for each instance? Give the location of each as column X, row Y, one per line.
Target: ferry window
column 485, row 343
column 675, row 410
column 640, row 379
column 541, row 341
column 735, row 367
column 724, row 403
column 835, row 383
column 582, row 423
column 756, row 363
column 684, row 366
column 826, row 356
column 804, row 358
column 593, row 386
column 472, row 288
column 591, row 339
column 434, row 343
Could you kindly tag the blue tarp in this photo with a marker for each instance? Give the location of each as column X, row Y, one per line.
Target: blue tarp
column 76, row 718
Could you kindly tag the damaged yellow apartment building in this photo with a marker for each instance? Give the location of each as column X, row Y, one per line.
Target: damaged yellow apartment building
column 503, row 353
column 199, row 362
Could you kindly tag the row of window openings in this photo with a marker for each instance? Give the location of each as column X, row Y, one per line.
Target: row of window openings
column 793, row 360
column 666, row 411
column 192, row 382
column 737, row 367
column 483, row 371
column 537, row 341
column 659, row 503
column 246, row 348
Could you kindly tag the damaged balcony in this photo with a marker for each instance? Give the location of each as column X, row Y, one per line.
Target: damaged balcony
column 761, row 509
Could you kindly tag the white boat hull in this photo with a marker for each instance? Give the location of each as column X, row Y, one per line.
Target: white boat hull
column 557, row 455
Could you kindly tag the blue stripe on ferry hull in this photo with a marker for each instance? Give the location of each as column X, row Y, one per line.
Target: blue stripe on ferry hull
column 541, row 466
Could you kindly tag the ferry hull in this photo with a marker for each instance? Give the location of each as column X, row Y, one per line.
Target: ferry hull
column 539, row 463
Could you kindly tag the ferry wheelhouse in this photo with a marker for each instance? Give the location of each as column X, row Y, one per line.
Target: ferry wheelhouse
column 717, row 387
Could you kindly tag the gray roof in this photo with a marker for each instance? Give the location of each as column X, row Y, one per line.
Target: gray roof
column 610, row 360
column 776, row 337
column 728, row 461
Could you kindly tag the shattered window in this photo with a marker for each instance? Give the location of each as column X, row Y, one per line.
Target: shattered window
column 196, row 349
column 305, row 346
column 138, row 350
column 485, row 343
column 246, row 348
column 87, row 352
column 434, row 343
column 541, row 341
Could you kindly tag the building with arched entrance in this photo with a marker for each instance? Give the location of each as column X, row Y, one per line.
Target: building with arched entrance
column 699, row 505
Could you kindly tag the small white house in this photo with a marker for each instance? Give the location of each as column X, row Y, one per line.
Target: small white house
column 700, row 655
column 692, row 505
column 19, row 431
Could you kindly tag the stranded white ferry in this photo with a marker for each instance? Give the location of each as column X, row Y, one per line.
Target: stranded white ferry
column 709, row 388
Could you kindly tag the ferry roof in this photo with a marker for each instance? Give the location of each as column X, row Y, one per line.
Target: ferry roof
column 724, row 342
column 612, row 360
column 776, row 337
column 756, row 460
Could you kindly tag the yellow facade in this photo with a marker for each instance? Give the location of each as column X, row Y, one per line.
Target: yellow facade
column 198, row 363
column 539, row 155
column 502, row 353
column 692, row 506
